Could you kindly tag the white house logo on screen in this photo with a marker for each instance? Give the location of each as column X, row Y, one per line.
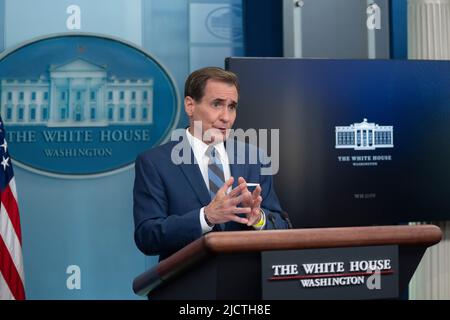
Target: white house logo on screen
column 364, row 136
column 225, row 23
column 79, row 105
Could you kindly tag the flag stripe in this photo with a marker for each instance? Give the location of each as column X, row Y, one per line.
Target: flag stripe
column 5, row 293
column 12, row 186
column 11, row 260
column 9, row 271
column 11, row 241
column 9, row 202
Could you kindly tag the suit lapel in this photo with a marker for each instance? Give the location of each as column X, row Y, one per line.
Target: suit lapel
column 194, row 176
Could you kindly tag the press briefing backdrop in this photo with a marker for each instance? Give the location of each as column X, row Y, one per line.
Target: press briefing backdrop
column 361, row 142
column 79, row 108
column 71, row 136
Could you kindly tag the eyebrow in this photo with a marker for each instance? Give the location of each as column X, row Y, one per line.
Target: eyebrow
column 223, row 100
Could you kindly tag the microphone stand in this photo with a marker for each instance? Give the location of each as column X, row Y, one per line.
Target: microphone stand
column 285, row 217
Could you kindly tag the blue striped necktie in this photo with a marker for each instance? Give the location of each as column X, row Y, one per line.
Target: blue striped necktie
column 215, row 171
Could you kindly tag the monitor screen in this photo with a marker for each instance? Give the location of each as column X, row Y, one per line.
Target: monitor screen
column 361, row 142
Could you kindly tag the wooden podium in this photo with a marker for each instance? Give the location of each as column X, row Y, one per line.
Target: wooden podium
column 228, row 265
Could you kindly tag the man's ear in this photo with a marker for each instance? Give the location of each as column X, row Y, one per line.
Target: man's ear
column 189, row 106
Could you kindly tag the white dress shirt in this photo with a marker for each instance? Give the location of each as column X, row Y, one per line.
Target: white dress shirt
column 199, row 149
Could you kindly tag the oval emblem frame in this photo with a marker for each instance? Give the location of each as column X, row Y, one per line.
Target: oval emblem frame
column 88, row 109
column 230, row 32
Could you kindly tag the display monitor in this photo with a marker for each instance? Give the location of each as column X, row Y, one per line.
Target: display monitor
column 361, row 142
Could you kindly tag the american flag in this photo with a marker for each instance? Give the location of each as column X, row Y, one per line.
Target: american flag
column 11, row 262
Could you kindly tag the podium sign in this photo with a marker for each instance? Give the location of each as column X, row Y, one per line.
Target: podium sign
column 329, row 263
column 332, row 273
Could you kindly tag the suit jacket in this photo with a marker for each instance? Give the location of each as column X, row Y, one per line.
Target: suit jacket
column 168, row 198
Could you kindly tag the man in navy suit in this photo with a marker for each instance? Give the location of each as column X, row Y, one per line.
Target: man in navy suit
column 177, row 202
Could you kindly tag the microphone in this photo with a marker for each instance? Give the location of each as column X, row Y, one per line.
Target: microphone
column 271, row 218
column 285, row 217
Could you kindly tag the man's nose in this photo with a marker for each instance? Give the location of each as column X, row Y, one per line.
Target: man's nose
column 225, row 115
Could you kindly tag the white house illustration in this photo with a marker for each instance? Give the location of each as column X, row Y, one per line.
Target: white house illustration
column 77, row 94
column 364, row 136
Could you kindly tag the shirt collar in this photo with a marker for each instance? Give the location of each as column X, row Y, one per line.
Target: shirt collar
column 199, row 147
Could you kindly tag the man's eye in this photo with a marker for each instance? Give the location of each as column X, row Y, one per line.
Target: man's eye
column 216, row 104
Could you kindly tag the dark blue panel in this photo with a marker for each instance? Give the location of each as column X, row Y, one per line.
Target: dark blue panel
column 325, row 182
column 263, row 28
column 2, row 25
column 399, row 29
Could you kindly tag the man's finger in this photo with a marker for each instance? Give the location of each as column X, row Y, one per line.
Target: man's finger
column 241, row 180
column 256, row 193
column 244, row 183
column 257, row 202
column 254, row 217
column 253, row 220
column 238, row 210
column 226, row 185
column 238, row 219
column 235, row 201
column 237, row 190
